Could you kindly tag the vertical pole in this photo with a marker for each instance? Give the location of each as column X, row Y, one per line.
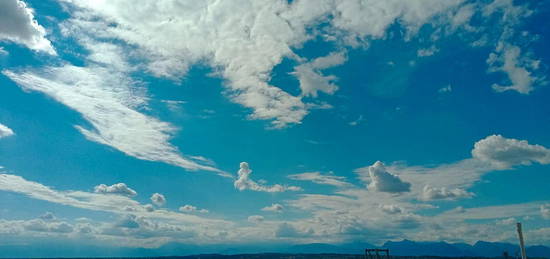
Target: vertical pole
column 521, row 244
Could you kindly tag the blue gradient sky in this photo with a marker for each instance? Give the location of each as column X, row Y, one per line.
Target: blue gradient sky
column 450, row 97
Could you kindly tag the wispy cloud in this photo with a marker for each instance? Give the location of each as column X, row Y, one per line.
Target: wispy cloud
column 317, row 177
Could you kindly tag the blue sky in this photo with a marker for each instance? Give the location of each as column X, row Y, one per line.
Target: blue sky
column 273, row 122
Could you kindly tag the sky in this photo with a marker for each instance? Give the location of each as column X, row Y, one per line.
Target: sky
column 141, row 124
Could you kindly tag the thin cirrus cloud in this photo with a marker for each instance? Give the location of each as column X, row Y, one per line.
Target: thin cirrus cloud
column 107, row 100
column 319, row 178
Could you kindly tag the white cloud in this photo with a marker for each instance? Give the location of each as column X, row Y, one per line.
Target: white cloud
column 391, row 208
column 446, row 89
column 5, row 131
column 427, row 52
column 443, row 193
column 118, row 188
column 275, row 207
column 17, row 24
column 310, row 76
column 190, row 208
column 383, row 181
column 256, row 219
column 243, row 182
column 504, row 152
column 118, row 204
column 545, row 210
column 317, row 177
column 246, row 40
column 356, row 122
column 109, row 101
column 158, row 199
column 39, row 225
column 520, row 69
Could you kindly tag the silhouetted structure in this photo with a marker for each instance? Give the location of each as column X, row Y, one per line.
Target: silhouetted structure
column 377, row 253
column 521, row 244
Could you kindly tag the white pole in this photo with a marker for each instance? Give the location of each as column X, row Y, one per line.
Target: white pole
column 521, row 244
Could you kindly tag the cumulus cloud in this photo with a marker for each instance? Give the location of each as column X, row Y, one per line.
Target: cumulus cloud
column 17, row 24
column 158, row 199
column 117, row 188
column 317, row 177
column 5, row 131
column 255, row 219
column 117, row 204
column 383, row 181
column 444, row 193
column 190, row 208
column 275, row 207
column 504, row 152
column 243, row 182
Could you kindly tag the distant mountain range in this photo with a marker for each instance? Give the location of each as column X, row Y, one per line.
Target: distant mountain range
column 412, row 248
column 400, row 248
